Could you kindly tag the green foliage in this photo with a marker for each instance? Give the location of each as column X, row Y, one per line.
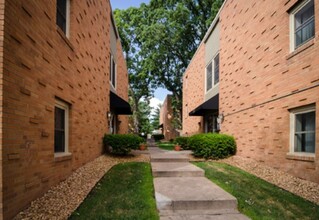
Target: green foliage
column 158, row 137
column 156, row 117
column 121, row 144
column 257, row 198
column 159, row 40
column 166, row 146
column 183, row 142
column 212, row 145
column 125, row 192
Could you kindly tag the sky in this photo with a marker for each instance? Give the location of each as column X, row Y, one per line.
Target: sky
column 124, row 4
column 160, row 94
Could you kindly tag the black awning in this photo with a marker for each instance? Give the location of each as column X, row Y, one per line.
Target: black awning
column 119, row 106
column 209, row 106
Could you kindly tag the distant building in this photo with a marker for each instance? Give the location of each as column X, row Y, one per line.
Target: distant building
column 63, row 86
column 268, row 83
column 166, row 119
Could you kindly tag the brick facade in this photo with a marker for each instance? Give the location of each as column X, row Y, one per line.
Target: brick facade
column 261, row 81
column 166, row 119
column 40, row 64
column 193, row 92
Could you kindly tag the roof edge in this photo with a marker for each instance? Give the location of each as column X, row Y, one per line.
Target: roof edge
column 208, row 33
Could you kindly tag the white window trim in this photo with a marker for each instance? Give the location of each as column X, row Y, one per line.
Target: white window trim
column 115, row 80
column 67, row 20
column 213, row 78
column 67, row 25
column 292, row 24
column 293, row 113
column 65, row 107
column 214, row 85
column 210, row 62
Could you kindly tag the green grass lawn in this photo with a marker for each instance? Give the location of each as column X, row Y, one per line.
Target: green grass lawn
column 125, row 192
column 166, row 146
column 257, row 198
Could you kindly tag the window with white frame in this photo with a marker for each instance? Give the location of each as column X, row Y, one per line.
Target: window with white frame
column 302, row 24
column 112, row 71
column 61, row 127
column 212, row 73
column 303, row 130
column 209, row 77
column 216, row 69
column 63, row 15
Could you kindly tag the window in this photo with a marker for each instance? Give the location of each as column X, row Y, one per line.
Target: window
column 62, row 15
column 211, row 124
column 302, row 22
column 303, row 130
column 216, row 69
column 61, row 127
column 113, row 71
column 209, row 77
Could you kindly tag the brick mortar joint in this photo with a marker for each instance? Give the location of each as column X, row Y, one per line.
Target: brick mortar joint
column 274, row 99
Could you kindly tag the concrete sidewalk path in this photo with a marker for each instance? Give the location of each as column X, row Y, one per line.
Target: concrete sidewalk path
column 183, row 192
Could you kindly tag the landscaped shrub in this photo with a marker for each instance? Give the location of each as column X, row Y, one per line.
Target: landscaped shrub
column 121, row 144
column 212, row 146
column 183, row 142
column 158, row 137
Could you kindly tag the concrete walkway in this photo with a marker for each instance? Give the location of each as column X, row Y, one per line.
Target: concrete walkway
column 184, row 193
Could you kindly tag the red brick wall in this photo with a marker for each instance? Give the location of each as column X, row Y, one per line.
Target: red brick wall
column 122, row 87
column 166, row 117
column 40, row 64
column 193, row 92
column 1, row 99
column 261, row 80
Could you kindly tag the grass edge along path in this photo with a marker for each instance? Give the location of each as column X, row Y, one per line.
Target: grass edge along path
column 257, row 198
column 125, row 192
column 166, row 146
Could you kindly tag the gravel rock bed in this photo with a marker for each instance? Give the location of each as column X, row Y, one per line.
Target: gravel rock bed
column 303, row 188
column 61, row 200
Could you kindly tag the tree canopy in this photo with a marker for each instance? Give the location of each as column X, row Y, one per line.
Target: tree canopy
column 159, row 39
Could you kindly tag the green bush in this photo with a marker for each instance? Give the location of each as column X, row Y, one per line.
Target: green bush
column 183, row 142
column 212, row 145
column 158, row 137
column 121, row 144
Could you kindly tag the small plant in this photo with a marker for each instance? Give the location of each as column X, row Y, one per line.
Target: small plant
column 158, row 137
column 143, row 146
column 183, row 142
column 177, row 147
column 121, row 144
column 212, row 145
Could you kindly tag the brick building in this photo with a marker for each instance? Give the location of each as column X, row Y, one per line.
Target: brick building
column 201, row 86
column 269, row 82
column 166, row 119
column 63, row 86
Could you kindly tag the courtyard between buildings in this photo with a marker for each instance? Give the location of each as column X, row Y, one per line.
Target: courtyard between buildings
column 169, row 168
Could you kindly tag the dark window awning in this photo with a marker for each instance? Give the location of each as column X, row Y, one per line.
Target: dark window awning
column 209, row 106
column 119, row 106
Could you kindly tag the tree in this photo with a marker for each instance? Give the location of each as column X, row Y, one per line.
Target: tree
column 139, row 80
column 161, row 39
column 156, row 117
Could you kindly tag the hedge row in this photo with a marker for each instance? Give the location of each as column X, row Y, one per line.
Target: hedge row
column 183, row 142
column 212, row 145
column 209, row 146
column 121, row 144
